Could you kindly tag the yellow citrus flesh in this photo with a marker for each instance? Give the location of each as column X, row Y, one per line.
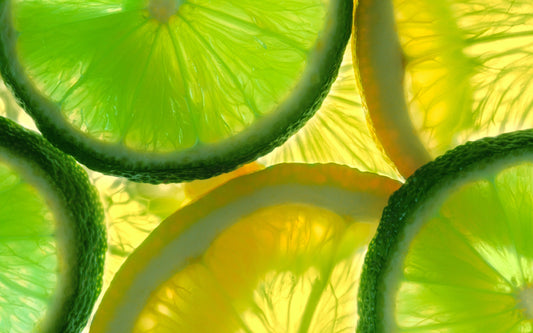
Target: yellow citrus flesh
column 338, row 133
column 286, row 268
column 437, row 74
column 133, row 210
column 290, row 235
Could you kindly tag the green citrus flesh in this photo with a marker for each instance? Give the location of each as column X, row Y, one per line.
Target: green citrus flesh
column 162, row 90
column 279, row 250
column 461, row 71
column 52, row 238
column 453, row 250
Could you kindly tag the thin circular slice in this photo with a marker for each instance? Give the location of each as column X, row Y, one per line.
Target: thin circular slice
column 169, row 90
column 436, row 74
column 338, row 133
column 52, row 237
column 278, row 250
column 453, row 251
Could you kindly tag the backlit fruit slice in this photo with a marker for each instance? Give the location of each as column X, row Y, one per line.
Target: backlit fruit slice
column 52, row 237
column 436, row 74
column 338, row 133
column 170, row 90
column 453, row 251
column 277, row 250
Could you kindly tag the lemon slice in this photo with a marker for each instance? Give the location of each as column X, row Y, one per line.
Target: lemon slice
column 277, row 250
column 52, row 237
column 436, row 74
column 168, row 90
column 453, row 251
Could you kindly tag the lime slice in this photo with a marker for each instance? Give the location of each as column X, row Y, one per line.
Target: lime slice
column 453, row 251
column 277, row 250
column 338, row 133
column 168, row 90
column 52, row 239
column 436, row 74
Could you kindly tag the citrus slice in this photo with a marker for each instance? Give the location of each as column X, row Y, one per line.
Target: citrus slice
column 52, row 237
column 338, row 133
column 169, row 90
column 453, row 251
column 436, row 74
column 276, row 250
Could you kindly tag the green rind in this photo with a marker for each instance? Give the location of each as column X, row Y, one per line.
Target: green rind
column 84, row 212
column 405, row 203
column 187, row 165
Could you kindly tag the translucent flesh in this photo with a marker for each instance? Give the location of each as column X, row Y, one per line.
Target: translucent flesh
column 466, row 269
column 28, row 256
column 469, row 68
column 123, row 76
column 133, row 210
column 286, row 268
column 338, row 133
